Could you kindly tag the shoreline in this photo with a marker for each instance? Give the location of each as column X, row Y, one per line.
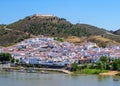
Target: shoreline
column 40, row 69
column 110, row 73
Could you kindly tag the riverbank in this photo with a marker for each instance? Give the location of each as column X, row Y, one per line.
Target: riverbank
column 62, row 70
column 110, row 73
column 39, row 69
column 87, row 71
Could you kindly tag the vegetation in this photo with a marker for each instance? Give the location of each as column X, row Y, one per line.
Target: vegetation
column 116, row 64
column 12, row 60
column 52, row 26
column 9, row 37
column 103, row 65
column 93, row 71
column 58, row 39
column 5, row 57
column 17, row 61
column 101, row 41
column 75, row 67
column 73, row 39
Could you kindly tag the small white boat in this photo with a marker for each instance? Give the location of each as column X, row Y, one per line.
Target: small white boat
column 21, row 70
column 31, row 71
column 44, row 72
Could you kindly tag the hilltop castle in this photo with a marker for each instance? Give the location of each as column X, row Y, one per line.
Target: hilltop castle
column 44, row 15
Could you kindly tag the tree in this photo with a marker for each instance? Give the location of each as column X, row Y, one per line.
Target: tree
column 75, row 66
column 5, row 57
column 17, row 61
column 104, row 59
column 116, row 64
column 103, row 63
column 12, row 60
column 99, row 65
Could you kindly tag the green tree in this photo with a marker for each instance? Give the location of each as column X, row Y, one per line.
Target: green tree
column 104, row 59
column 116, row 64
column 99, row 65
column 103, row 63
column 75, row 66
column 12, row 60
column 5, row 57
column 17, row 61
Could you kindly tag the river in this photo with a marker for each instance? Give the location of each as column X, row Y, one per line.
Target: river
column 55, row 79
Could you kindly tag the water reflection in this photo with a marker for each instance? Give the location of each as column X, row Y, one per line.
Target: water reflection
column 102, row 78
column 55, row 79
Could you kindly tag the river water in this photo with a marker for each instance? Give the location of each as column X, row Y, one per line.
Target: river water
column 55, row 79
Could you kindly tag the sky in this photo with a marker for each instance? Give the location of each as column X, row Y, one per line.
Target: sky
column 101, row 13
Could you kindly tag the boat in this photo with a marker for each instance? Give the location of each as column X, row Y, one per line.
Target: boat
column 9, row 70
column 31, row 71
column 21, row 70
column 44, row 72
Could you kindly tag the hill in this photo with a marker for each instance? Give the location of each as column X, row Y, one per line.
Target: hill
column 73, row 39
column 54, row 26
column 101, row 41
column 117, row 32
column 49, row 26
column 10, row 37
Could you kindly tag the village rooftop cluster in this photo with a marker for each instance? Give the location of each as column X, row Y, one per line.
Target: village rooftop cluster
column 47, row 51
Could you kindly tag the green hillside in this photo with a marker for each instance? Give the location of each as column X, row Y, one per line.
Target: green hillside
column 10, row 37
column 53, row 26
column 48, row 26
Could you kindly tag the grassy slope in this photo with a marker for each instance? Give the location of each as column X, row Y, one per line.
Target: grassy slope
column 51, row 26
